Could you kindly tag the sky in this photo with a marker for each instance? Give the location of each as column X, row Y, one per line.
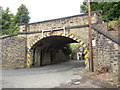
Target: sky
column 41, row 10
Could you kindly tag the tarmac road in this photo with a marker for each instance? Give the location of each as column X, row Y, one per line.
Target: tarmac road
column 49, row 76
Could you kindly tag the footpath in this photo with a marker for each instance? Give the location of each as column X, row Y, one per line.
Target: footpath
column 92, row 80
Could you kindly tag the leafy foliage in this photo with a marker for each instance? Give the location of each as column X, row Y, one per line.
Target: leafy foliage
column 22, row 15
column 10, row 22
column 110, row 27
column 110, row 10
column 119, row 19
column 6, row 19
column 68, row 49
column 0, row 20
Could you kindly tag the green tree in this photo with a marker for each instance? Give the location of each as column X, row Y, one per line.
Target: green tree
column 10, row 22
column 110, row 10
column 22, row 16
column 6, row 19
column 0, row 20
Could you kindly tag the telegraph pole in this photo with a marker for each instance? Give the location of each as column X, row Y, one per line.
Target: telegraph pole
column 90, row 34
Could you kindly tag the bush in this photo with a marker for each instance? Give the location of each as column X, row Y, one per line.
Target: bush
column 110, row 27
column 118, row 20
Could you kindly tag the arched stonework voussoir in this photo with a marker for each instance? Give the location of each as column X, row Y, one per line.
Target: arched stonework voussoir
column 74, row 37
column 85, row 52
column 38, row 39
column 67, row 34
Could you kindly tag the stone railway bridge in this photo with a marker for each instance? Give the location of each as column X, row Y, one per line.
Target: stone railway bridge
column 43, row 43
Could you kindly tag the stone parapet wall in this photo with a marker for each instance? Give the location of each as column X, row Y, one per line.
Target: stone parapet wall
column 59, row 23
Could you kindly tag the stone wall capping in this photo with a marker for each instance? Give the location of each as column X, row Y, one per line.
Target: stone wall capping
column 106, row 34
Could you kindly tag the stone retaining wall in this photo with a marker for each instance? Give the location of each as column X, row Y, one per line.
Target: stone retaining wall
column 14, row 51
column 105, row 52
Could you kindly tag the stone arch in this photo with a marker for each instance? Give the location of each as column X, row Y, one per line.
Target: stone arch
column 68, row 35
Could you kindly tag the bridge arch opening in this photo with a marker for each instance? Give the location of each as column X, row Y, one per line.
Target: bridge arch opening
column 50, row 50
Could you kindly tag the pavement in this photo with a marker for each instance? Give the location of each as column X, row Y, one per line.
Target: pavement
column 64, row 74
